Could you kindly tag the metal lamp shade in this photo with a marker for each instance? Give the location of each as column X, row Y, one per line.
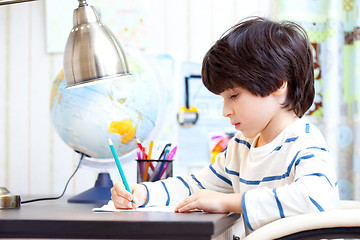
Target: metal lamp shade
column 92, row 51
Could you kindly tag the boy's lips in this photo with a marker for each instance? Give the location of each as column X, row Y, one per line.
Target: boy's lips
column 236, row 125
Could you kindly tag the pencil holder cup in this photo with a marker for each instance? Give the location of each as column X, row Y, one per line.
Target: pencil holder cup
column 153, row 170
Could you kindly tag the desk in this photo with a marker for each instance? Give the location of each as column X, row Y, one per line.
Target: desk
column 59, row 219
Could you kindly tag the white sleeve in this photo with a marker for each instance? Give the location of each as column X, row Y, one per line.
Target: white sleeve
column 314, row 189
column 167, row 192
column 173, row 190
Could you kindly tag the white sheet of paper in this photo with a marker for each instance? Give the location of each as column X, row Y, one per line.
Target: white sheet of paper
column 111, row 208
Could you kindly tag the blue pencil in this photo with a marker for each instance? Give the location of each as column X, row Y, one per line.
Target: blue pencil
column 158, row 175
column 122, row 174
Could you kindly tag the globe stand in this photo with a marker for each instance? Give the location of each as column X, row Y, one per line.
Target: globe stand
column 100, row 193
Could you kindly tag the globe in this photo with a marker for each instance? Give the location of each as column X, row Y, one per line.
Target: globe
column 121, row 109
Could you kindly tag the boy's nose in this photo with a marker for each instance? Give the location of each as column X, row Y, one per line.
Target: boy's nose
column 226, row 111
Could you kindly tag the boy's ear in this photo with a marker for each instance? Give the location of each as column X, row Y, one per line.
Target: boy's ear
column 281, row 90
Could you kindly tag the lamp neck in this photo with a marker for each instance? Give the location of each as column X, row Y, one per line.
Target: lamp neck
column 85, row 15
column 82, row 3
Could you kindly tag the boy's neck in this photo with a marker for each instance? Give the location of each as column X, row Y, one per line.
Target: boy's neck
column 275, row 127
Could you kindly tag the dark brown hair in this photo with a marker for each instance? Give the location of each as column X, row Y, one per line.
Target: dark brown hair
column 258, row 55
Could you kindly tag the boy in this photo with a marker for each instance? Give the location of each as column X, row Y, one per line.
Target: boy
column 278, row 164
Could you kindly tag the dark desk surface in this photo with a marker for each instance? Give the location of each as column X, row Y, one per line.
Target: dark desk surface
column 59, row 219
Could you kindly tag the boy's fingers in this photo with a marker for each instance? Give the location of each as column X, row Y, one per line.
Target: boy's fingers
column 187, row 207
column 120, row 190
column 134, row 198
column 128, row 196
column 121, row 202
column 119, row 187
column 181, row 205
column 187, row 204
column 123, row 193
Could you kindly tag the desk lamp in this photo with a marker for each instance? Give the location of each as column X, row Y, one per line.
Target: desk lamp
column 92, row 51
column 92, row 55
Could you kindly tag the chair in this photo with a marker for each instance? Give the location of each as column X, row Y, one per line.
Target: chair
column 342, row 223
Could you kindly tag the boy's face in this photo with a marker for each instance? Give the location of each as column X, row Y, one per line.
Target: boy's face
column 250, row 114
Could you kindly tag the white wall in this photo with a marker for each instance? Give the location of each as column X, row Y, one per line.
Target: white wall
column 33, row 159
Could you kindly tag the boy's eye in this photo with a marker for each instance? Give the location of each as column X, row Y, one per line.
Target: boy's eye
column 234, row 95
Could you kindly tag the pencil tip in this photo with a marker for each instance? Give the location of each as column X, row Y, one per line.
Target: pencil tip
column 110, row 142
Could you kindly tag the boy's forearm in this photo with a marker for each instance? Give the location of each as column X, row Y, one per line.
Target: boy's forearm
column 234, row 203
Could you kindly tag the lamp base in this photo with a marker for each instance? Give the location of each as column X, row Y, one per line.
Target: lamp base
column 8, row 200
column 99, row 194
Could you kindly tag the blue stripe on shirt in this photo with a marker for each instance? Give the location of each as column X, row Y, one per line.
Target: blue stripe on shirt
column 147, row 194
column 271, row 178
column 197, row 181
column 185, row 183
column 292, row 139
column 220, row 176
column 303, row 158
column 316, row 204
column 246, row 218
column 274, row 178
column 281, row 211
column 167, row 192
column 316, row 174
column 277, row 148
column 278, row 177
column 231, row 172
column 243, row 142
column 319, row 148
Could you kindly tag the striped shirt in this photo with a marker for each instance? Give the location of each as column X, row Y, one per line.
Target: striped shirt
column 291, row 175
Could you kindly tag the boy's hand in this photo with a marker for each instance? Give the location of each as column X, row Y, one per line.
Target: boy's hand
column 122, row 198
column 211, row 201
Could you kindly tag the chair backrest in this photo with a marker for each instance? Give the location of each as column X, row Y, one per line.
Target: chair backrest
column 349, row 204
column 342, row 223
